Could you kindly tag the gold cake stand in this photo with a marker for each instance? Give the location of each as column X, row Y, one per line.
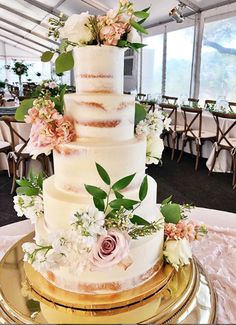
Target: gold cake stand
column 184, row 297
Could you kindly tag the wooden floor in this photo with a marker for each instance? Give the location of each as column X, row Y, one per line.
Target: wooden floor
column 179, row 180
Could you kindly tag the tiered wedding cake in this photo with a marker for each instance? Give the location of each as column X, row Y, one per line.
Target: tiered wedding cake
column 104, row 122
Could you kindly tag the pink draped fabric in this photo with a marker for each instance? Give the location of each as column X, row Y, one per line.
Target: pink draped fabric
column 217, row 253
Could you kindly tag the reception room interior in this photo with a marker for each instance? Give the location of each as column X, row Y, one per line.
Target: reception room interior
column 183, row 80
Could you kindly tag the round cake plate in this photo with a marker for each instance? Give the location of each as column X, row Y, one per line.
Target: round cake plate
column 185, row 297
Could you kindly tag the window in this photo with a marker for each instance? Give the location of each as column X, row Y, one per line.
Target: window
column 179, row 62
column 218, row 64
column 152, row 65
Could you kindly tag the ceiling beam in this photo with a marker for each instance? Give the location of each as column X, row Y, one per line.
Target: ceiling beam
column 12, row 40
column 48, row 9
column 191, row 5
column 28, row 31
column 20, row 14
column 24, row 37
column 96, row 5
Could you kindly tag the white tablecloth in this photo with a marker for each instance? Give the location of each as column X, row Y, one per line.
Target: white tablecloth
column 216, row 252
column 224, row 160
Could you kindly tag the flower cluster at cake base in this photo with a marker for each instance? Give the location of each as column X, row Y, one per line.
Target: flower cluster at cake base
column 152, row 127
column 179, row 233
column 49, row 127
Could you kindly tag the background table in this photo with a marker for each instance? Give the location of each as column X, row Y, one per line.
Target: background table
column 224, row 161
column 216, row 252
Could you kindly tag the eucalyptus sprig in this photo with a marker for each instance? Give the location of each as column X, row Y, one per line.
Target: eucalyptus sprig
column 146, row 230
column 31, row 186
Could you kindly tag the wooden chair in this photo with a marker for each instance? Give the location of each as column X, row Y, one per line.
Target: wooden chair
column 193, row 102
column 5, row 147
column 209, row 103
column 19, row 156
column 195, row 134
column 175, row 130
column 168, row 100
column 141, row 97
column 232, row 105
column 224, row 142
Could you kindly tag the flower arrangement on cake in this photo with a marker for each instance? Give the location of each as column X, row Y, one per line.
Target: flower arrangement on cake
column 119, row 27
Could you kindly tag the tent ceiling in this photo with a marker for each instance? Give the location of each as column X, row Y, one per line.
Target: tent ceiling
column 25, row 21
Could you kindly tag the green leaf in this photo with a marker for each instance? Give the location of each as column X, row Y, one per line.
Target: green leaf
column 112, row 214
column 40, row 180
column 136, row 46
column 118, row 195
column 103, row 174
column 122, row 183
column 140, row 113
column 141, row 14
column 122, row 43
column 126, row 203
column 138, row 27
column 99, row 204
column 23, row 182
column 96, row 192
column 64, row 62
column 143, row 189
column 136, row 220
column 167, row 200
column 59, row 105
column 22, row 110
column 171, row 213
column 146, row 9
column 29, row 191
column 47, row 56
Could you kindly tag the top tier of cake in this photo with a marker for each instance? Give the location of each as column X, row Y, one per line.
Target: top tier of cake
column 99, row 71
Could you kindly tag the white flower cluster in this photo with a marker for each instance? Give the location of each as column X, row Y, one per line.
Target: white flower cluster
column 152, row 127
column 177, row 252
column 29, row 206
column 89, row 222
column 68, row 247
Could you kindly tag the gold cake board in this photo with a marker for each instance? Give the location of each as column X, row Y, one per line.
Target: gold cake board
column 169, row 297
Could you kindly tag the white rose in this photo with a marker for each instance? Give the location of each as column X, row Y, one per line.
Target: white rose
column 75, row 29
column 133, row 36
column 155, row 148
column 177, row 252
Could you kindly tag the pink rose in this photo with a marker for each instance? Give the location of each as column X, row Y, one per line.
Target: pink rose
column 110, row 249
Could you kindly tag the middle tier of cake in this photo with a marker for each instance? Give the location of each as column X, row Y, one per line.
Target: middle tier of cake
column 75, row 163
column 102, row 116
column 60, row 206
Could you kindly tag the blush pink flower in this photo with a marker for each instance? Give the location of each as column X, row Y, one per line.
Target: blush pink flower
column 65, row 130
column 111, row 34
column 182, row 229
column 110, row 249
column 33, row 114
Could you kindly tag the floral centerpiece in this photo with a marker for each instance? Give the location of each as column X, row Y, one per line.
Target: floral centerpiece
column 119, row 27
column 20, row 69
column 100, row 235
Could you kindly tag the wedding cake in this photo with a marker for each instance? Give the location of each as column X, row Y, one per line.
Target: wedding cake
column 98, row 229
column 104, row 123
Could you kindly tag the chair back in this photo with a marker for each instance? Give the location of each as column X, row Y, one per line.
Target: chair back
column 221, row 130
column 141, row 96
column 232, row 105
column 14, row 134
column 171, row 111
column 169, row 100
column 209, row 103
column 191, row 116
column 193, row 102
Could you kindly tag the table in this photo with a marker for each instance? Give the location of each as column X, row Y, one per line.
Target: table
column 224, row 161
column 216, row 251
